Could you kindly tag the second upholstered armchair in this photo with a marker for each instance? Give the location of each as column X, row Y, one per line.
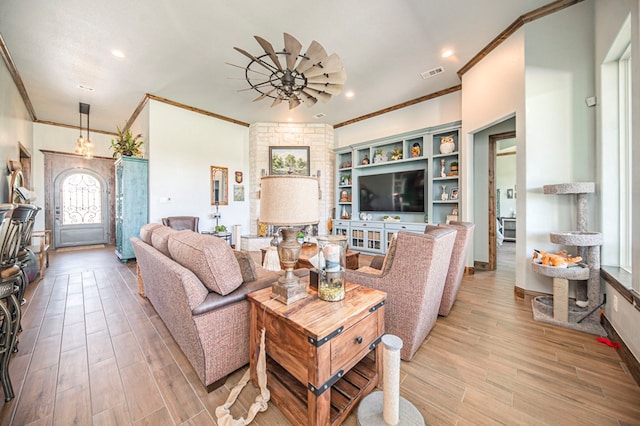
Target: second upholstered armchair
column 413, row 276
column 180, row 223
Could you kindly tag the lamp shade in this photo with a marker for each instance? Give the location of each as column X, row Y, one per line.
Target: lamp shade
column 289, row 200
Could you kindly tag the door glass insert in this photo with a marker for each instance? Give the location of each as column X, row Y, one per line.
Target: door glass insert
column 81, row 200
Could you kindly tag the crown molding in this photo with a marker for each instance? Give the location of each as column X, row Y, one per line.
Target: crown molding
column 538, row 13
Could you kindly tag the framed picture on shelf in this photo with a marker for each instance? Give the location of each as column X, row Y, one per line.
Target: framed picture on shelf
column 289, row 160
column 453, row 193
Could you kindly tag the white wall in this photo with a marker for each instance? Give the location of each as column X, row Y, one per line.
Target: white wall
column 15, row 126
column 493, row 102
column 442, row 110
column 181, row 147
column 505, row 180
column 560, row 127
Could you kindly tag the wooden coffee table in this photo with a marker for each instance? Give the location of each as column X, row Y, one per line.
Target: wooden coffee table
column 317, row 363
column 310, row 250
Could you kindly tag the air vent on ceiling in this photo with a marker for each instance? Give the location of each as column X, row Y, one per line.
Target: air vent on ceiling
column 432, row 72
column 319, row 115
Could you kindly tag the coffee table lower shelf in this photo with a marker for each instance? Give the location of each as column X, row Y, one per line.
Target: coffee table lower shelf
column 291, row 396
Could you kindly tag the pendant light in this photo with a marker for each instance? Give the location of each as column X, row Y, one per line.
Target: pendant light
column 84, row 146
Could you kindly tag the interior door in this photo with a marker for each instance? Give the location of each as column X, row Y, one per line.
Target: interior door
column 81, row 213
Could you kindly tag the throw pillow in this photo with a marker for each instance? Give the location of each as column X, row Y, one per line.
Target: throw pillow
column 210, row 258
column 146, row 231
column 391, row 252
column 160, row 239
column 247, row 266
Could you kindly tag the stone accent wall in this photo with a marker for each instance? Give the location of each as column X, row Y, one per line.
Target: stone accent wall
column 319, row 139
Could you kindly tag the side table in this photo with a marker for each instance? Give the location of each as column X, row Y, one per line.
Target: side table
column 317, row 363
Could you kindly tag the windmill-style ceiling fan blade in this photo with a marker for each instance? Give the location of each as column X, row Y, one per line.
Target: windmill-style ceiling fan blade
column 333, row 89
column 332, row 64
column 335, row 78
column 243, row 68
column 321, row 96
column 308, row 100
column 276, row 101
column 293, row 47
column 264, row 95
column 315, row 54
column 293, row 102
column 268, row 48
column 250, row 56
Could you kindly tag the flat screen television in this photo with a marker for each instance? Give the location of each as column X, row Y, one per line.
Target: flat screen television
column 392, row 192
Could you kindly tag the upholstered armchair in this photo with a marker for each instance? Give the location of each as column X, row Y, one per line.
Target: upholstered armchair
column 413, row 276
column 464, row 237
column 180, row 223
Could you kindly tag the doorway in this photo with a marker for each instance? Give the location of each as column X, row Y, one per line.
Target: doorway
column 81, row 216
column 57, row 167
column 502, row 196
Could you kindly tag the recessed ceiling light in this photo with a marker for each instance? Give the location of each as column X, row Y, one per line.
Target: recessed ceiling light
column 446, row 53
column 319, row 115
column 118, row 53
column 349, row 94
column 289, row 119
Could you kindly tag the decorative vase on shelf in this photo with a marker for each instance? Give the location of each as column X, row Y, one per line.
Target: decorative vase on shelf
column 447, row 145
column 415, row 150
column 344, row 214
column 442, row 172
column 445, row 194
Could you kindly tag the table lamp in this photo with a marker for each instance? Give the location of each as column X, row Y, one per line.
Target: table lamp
column 290, row 202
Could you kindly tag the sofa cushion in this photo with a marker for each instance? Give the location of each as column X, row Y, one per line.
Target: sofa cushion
column 146, row 231
column 247, row 265
column 160, row 239
column 210, row 258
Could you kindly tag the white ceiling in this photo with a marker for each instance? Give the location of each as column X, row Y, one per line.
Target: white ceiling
column 177, row 50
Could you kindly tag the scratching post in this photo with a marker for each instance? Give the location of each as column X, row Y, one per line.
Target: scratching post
column 388, row 407
column 391, row 368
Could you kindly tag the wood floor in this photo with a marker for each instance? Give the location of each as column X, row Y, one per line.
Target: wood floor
column 93, row 352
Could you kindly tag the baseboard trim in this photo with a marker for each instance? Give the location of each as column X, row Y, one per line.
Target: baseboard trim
column 469, row 270
column 522, row 294
column 627, row 357
column 481, row 266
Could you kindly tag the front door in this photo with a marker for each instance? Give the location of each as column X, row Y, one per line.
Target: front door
column 81, row 214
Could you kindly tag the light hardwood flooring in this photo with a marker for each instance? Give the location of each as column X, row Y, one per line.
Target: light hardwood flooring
column 94, row 352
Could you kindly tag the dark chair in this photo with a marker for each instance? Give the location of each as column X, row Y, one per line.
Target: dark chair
column 11, row 280
column 180, row 223
column 22, row 219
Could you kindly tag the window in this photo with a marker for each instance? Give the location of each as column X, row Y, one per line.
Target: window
column 624, row 98
column 81, row 200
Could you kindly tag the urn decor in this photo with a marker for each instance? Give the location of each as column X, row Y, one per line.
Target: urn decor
column 332, row 251
column 447, row 145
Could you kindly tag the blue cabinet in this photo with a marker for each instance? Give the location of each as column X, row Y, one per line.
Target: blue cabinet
column 132, row 202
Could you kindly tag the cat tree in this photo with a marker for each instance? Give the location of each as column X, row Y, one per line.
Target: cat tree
column 583, row 313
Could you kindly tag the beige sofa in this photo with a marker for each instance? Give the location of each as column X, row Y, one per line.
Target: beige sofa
column 198, row 285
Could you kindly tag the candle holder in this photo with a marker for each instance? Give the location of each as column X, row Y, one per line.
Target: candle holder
column 332, row 259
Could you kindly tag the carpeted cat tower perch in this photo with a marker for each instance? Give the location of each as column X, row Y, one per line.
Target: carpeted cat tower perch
column 583, row 313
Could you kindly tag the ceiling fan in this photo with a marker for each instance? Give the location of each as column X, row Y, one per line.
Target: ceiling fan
column 293, row 77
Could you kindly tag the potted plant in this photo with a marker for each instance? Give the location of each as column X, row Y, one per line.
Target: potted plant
column 221, row 229
column 454, row 167
column 126, row 144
